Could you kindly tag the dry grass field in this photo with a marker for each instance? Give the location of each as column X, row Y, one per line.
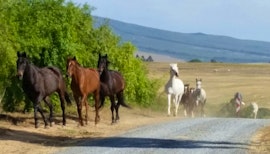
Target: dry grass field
column 220, row 80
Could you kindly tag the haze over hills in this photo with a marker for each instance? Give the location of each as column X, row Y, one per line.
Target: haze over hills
column 188, row 46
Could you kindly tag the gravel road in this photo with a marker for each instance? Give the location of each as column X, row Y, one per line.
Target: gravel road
column 192, row 135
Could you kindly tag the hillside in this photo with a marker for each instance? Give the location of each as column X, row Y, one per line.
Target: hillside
column 189, row 46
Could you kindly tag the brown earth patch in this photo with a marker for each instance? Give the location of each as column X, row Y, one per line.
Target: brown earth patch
column 260, row 142
column 18, row 135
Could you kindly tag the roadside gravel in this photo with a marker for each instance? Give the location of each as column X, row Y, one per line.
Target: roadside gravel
column 191, row 135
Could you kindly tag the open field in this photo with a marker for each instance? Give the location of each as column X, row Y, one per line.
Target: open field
column 220, row 80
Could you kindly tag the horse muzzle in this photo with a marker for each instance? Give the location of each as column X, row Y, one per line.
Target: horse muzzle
column 19, row 75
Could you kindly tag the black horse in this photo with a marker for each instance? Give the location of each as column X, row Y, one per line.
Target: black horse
column 112, row 83
column 39, row 83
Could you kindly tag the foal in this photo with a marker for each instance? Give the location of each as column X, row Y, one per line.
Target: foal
column 84, row 82
column 199, row 96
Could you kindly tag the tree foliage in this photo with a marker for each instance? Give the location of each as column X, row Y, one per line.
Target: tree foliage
column 51, row 30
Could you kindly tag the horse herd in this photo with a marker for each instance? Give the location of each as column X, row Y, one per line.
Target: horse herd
column 190, row 98
column 39, row 83
column 195, row 98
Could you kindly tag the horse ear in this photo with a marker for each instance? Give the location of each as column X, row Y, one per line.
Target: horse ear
column 106, row 56
column 18, row 54
column 99, row 55
column 74, row 58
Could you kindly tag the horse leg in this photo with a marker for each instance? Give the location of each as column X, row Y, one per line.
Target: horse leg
column 178, row 100
column 85, row 103
column 169, row 104
column 39, row 109
column 113, row 106
column 97, row 105
column 79, row 109
column 62, row 100
column 48, row 102
column 175, row 100
column 35, row 115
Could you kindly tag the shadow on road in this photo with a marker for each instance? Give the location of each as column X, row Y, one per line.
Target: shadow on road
column 122, row 142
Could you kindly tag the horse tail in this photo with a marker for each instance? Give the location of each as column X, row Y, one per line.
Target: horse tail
column 101, row 104
column 67, row 98
column 121, row 100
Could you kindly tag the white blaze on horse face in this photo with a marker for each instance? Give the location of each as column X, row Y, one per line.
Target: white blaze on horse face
column 198, row 84
column 174, row 67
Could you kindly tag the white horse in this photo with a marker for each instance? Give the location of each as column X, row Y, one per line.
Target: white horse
column 199, row 97
column 255, row 109
column 174, row 88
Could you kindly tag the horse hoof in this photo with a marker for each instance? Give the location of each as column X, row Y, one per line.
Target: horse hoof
column 46, row 127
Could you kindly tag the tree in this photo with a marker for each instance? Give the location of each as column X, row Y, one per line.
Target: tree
column 50, row 31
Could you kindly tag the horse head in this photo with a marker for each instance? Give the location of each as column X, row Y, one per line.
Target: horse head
column 174, row 69
column 22, row 62
column 71, row 64
column 103, row 63
column 186, row 88
column 198, row 83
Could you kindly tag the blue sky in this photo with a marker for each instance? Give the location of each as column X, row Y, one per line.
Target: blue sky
column 244, row 19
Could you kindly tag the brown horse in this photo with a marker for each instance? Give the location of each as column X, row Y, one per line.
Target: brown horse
column 84, row 82
column 112, row 83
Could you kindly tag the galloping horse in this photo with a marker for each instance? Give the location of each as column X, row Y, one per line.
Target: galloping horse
column 174, row 88
column 186, row 100
column 39, row 83
column 84, row 82
column 199, row 96
column 112, row 83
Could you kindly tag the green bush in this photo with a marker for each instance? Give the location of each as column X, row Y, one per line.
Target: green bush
column 50, row 31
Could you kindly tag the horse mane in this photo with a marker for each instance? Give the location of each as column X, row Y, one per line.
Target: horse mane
column 74, row 59
column 54, row 70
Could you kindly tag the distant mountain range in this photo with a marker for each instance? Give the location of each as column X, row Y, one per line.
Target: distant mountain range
column 188, row 46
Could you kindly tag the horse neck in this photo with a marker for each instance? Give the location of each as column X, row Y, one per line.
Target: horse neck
column 198, row 86
column 174, row 78
column 77, row 74
column 30, row 72
column 105, row 75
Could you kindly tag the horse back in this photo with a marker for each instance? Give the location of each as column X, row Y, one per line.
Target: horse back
column 117, row 80
column 41, row 80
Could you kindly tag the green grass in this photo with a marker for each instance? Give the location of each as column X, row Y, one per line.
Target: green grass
column 221, row 81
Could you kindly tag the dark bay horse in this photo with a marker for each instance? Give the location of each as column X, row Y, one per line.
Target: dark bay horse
column 84, row 82
column 39, row 83
column 112, row 83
